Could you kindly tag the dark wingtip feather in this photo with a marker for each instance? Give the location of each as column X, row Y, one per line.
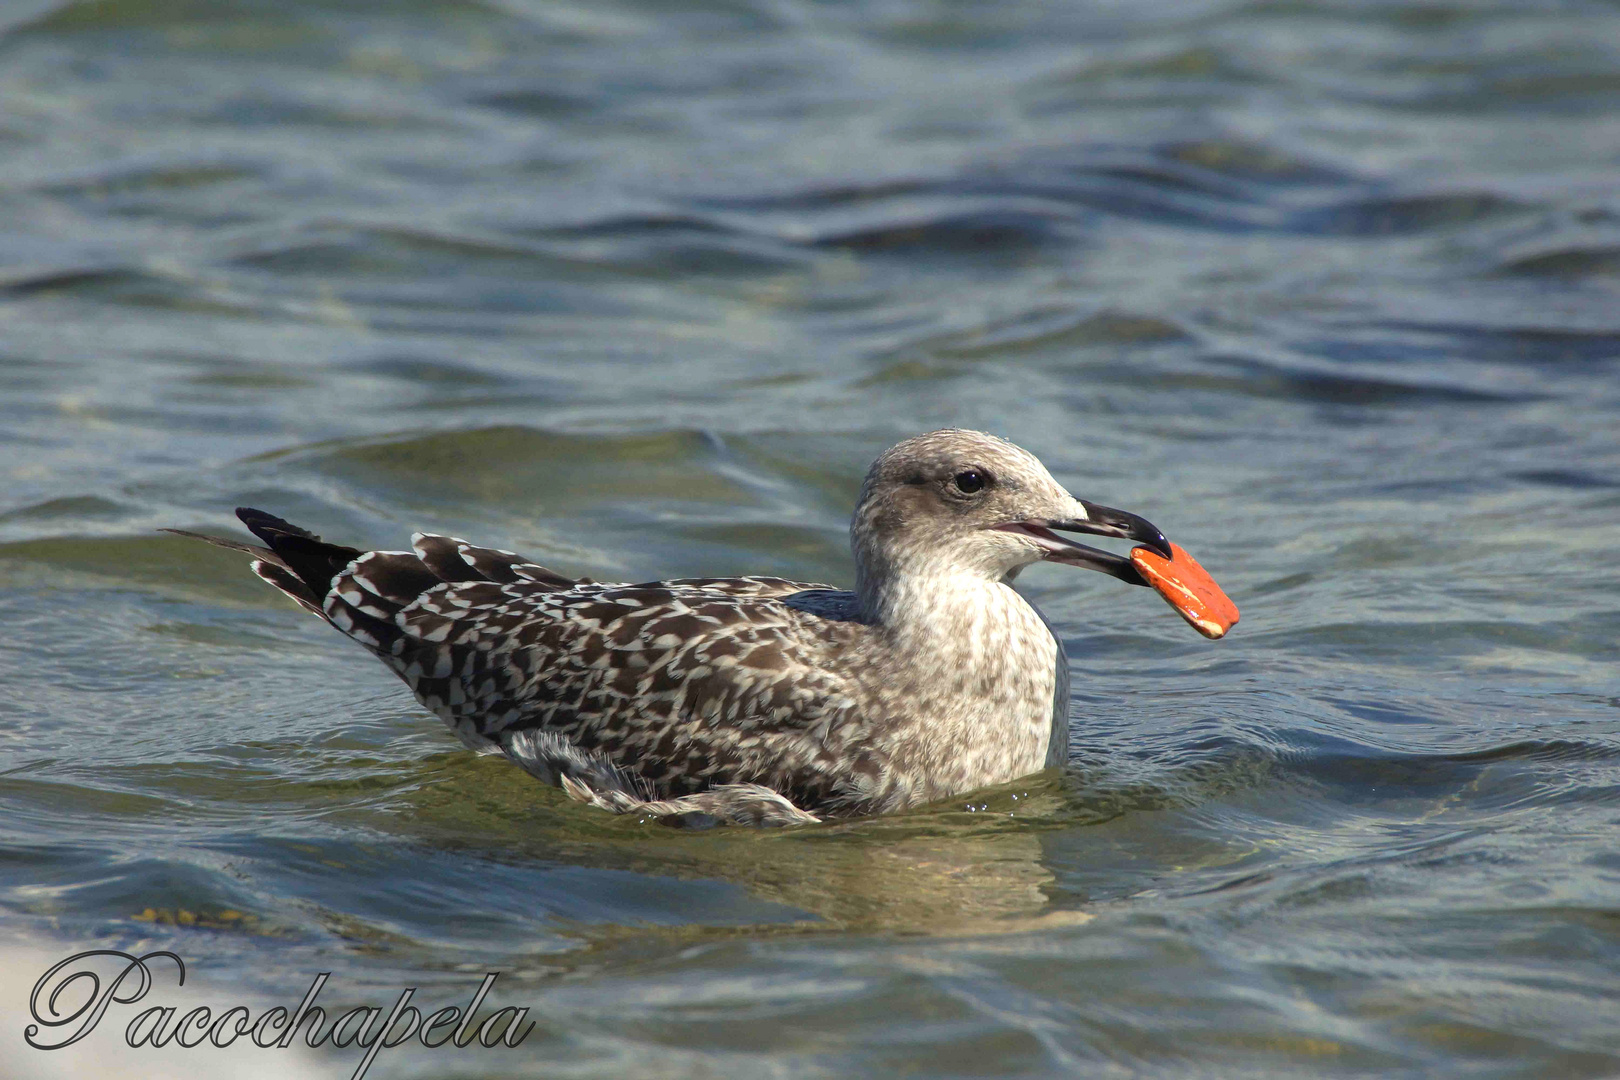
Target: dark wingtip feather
column 267, row 564
column 264, row 525
column 314, row 561
column 220, row 541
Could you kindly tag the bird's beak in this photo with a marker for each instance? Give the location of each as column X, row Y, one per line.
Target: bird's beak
column 1098, row 521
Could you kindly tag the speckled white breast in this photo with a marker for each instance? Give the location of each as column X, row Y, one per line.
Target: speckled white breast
column 972, row 688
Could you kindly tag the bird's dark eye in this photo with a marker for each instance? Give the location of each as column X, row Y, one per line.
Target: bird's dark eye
column 969, row 481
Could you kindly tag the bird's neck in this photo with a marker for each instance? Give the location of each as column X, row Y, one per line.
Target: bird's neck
column 980, row 675
column 929, row 608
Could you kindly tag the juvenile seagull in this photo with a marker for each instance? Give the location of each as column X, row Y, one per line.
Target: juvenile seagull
column 752, row 699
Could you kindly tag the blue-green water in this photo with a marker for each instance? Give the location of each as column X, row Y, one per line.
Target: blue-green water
column 1330, row 291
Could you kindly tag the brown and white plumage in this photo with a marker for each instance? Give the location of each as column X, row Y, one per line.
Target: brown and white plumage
column 749, row 699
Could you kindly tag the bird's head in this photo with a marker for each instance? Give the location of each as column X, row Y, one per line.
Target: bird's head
column 964, row 502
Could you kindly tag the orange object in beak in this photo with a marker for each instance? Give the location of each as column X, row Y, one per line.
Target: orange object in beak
column 1188, row 588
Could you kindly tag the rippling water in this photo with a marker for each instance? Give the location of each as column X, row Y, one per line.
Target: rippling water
column 1328, row 290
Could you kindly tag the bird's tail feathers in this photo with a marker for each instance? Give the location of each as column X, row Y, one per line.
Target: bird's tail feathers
column 297, row 562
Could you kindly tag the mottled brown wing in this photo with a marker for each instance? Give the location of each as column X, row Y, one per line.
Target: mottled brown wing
column 752, row 587
column 658, row 688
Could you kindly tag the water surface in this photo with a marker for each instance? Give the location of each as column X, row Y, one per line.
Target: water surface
column 1330, row 291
